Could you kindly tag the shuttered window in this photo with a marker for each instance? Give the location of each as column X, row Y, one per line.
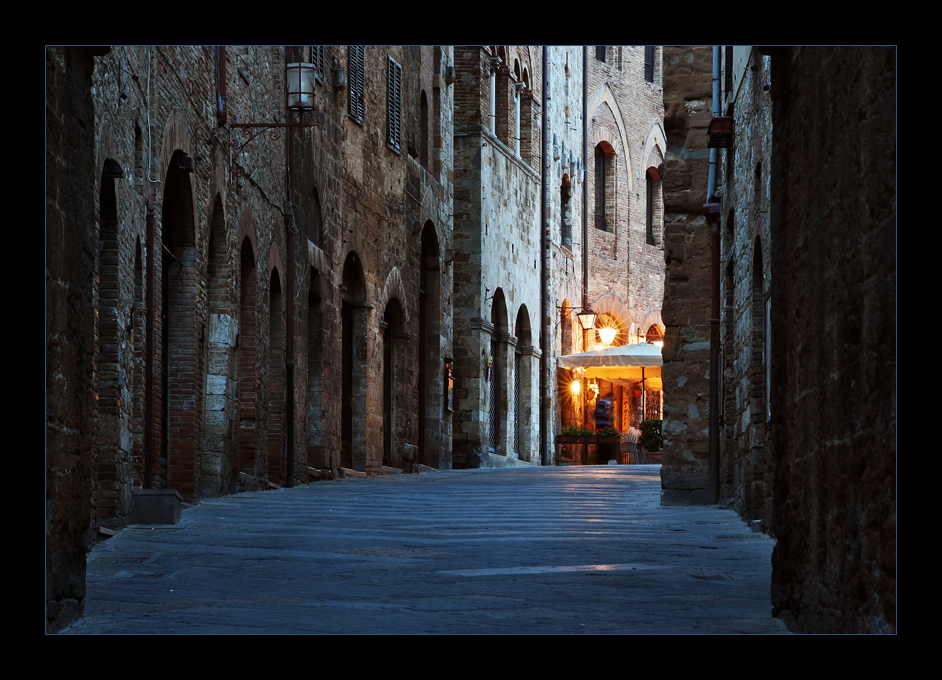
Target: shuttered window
column 317, row 58
column 393, row 103
column 355, row 70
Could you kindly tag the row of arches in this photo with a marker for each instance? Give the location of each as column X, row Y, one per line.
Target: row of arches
column 204, row 408
column 411, row 365
column 509, row 394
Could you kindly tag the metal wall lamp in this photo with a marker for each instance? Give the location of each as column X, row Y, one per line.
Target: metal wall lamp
column 587, row 318
column 300, row 98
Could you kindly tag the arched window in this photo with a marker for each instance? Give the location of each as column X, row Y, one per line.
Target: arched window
column 604, row 187
column 565, row 226
column 654, row 211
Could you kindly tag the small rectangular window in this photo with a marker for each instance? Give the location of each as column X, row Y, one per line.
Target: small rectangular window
column 650, row 53
column 393, row 103
column 355, row 88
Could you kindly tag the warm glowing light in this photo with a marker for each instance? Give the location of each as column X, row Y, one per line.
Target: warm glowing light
column 594, row 388
column 659, row 343
column 607, row 334
column 576, row 387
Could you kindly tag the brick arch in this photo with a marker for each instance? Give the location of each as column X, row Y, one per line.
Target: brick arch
column 275, row 258
column 106, row 147
column 655, row 147
column 393, row 289
column 176, row 138
column 652, row 317
column 366, row 287
column 607, row 139
column 604, row 95
column 611, row 305
column 247, row 229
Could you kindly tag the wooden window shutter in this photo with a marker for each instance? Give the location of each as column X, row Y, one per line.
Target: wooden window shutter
column 393, row 103
column 317, row 58
column 356, row 69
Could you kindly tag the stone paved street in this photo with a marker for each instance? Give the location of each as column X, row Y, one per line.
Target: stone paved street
column 496, row 551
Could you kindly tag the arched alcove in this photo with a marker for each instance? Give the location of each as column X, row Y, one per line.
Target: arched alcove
column 277, row 472
column 392, row 330
column 181, row 342
column 431, row 366
column 353, row 320
column 247, row 369
column 219, row 408
column 497, row 368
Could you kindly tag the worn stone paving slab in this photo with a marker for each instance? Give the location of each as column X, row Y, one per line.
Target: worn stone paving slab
column 572, row 550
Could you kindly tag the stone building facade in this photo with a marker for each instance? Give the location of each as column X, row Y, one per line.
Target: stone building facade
column 616, row 236
column 243, row 294
column 745, row 286
column 805, row 281
column 528, row 251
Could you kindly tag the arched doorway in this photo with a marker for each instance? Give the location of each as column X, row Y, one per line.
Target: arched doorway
column 180, row 354
column 353, row 319
column 247, row 343
column 393, row 329
column 277, row 471
column 316, row 456
column 431, row 385
column 497, row 369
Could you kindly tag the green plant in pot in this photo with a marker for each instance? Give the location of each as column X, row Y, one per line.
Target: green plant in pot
column 651, row 434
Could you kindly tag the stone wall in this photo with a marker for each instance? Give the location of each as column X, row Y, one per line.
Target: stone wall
column 745, row 285
column 71, row 409
column 833, row 338
column 686, row 312
column 211, row 287
column 497, row 260
column 808, row 288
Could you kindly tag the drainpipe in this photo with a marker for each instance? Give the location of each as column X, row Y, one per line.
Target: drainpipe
column 289, row 321
column 712, row 212
column 222, row 113
column 585, row 184
column 149, row 349
column 544, row 274
column 289, row 310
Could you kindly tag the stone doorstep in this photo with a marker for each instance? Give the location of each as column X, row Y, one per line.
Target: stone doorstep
column 156, row 506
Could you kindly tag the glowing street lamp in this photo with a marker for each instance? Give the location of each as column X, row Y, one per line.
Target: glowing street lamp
column 607, row 334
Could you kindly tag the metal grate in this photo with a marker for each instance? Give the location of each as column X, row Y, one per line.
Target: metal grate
column 516, row 406
column 492, row 402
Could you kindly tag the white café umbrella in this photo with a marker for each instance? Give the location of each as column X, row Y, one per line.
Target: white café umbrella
column 622, row 365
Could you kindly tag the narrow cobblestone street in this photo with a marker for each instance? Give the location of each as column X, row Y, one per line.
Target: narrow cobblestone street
column 568, row 550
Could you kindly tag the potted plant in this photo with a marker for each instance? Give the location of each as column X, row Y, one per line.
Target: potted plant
column 650, row 438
